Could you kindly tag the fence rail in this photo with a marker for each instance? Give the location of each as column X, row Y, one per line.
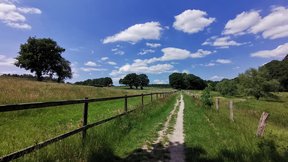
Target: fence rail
column 85, row 126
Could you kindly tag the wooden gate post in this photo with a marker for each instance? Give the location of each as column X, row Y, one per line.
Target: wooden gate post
column 262, row 124
column 151, row 97
column 231, row 110
column 217, row 104
column 126, row 104
column 85, row 116
column 142, row 96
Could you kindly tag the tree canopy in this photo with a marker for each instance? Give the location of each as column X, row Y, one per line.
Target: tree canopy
column 186, row 81
column 133, row 79
column 99, row 82
column 43, row 56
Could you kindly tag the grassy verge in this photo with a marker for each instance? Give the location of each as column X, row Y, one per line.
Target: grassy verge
column 113, row 141
column 211, row 136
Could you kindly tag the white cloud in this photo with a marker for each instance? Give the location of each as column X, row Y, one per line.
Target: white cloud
column 138, row 67
column 192, row 21
column 201, row 53
column 172, row 53
column 222, row 42
column 112, row 63
column 210, row 64
column 146, row 51
column 137, row 32
column 104, row 58
column 216, row 78
column 242, row 23
column 153, row 45
column 13, row 16
column 117, row 51
column 91, row 63
column 6, row 61
column 186, row 71
column 274, row 25
column 279, row 52
column 223, row 61
column 92, row 69
column 158, row 81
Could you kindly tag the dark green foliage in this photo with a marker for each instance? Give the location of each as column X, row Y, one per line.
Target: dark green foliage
column 186, row 81
column 227, row 87
column 99, row 82
column 43, row 56
column 278, row 70
column 254, row 83
column 135, row 80
column 206, row 97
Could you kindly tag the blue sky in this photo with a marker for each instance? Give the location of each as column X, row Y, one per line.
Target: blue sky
column 213, row 40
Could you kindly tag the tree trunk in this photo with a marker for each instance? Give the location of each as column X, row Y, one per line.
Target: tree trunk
column 141, row 88
column 130, row 87
column 39, row 76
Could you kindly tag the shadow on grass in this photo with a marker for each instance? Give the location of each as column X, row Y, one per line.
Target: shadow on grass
column 267, row 153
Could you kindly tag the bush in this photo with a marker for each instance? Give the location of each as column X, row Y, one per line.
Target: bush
column 227, row 87
column 206, row 97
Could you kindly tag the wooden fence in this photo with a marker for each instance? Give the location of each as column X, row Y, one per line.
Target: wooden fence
column 85, row 126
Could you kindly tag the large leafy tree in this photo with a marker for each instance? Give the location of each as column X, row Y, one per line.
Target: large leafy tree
column 144, row 81
column 43, row 56
column 135, row 80
column 227, row 87
column 254, row 83
column 186, row 81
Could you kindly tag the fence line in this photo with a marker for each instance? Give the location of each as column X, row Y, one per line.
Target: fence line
column 85, row 126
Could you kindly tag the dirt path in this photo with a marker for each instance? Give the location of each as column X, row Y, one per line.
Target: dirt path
column 176, row 139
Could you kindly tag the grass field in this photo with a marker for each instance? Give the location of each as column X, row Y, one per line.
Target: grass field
column 211, row 136
column 24, row 128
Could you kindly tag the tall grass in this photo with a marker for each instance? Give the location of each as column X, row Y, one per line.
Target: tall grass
column 211, row 136
column 112, row 141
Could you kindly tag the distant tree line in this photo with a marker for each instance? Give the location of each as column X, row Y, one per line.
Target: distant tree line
column 135, row 80
column 160, row 85
column 186, row 81
column 30, row 77
column 99, row 82
column 271, row 77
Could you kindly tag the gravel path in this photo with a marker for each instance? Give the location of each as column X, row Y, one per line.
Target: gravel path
column 176, row 139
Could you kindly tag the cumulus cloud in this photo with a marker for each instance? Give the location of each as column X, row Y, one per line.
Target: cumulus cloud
column 242, row 23
column 111, row 63
column 192, row 21
column 104, row 58
column 6, row 61
column 92, row 69
column 201, row 53
column 222, row 42
column 216, row 78
column 279, row 52
column 224, row 61
column 153, row 45
column 117, row 51
column 274, row 25
column 91, row 63
column 13, row 16
column 147, row 31
column 146, row 51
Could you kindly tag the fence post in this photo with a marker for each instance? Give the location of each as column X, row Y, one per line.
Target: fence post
column 142, row 96
column 217, row 104
column 231, row 110
column 262, row 124
column 151, row 97
column 156, row 96
column 85, row 116
column 126, row 104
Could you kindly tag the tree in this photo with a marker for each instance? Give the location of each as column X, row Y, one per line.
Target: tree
column 186, row 81
column 227, row 87
column 176, row 81
column 43, row 56
column 144, row 81
column 253, row 82
column 130, row 80
column 206, row 97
